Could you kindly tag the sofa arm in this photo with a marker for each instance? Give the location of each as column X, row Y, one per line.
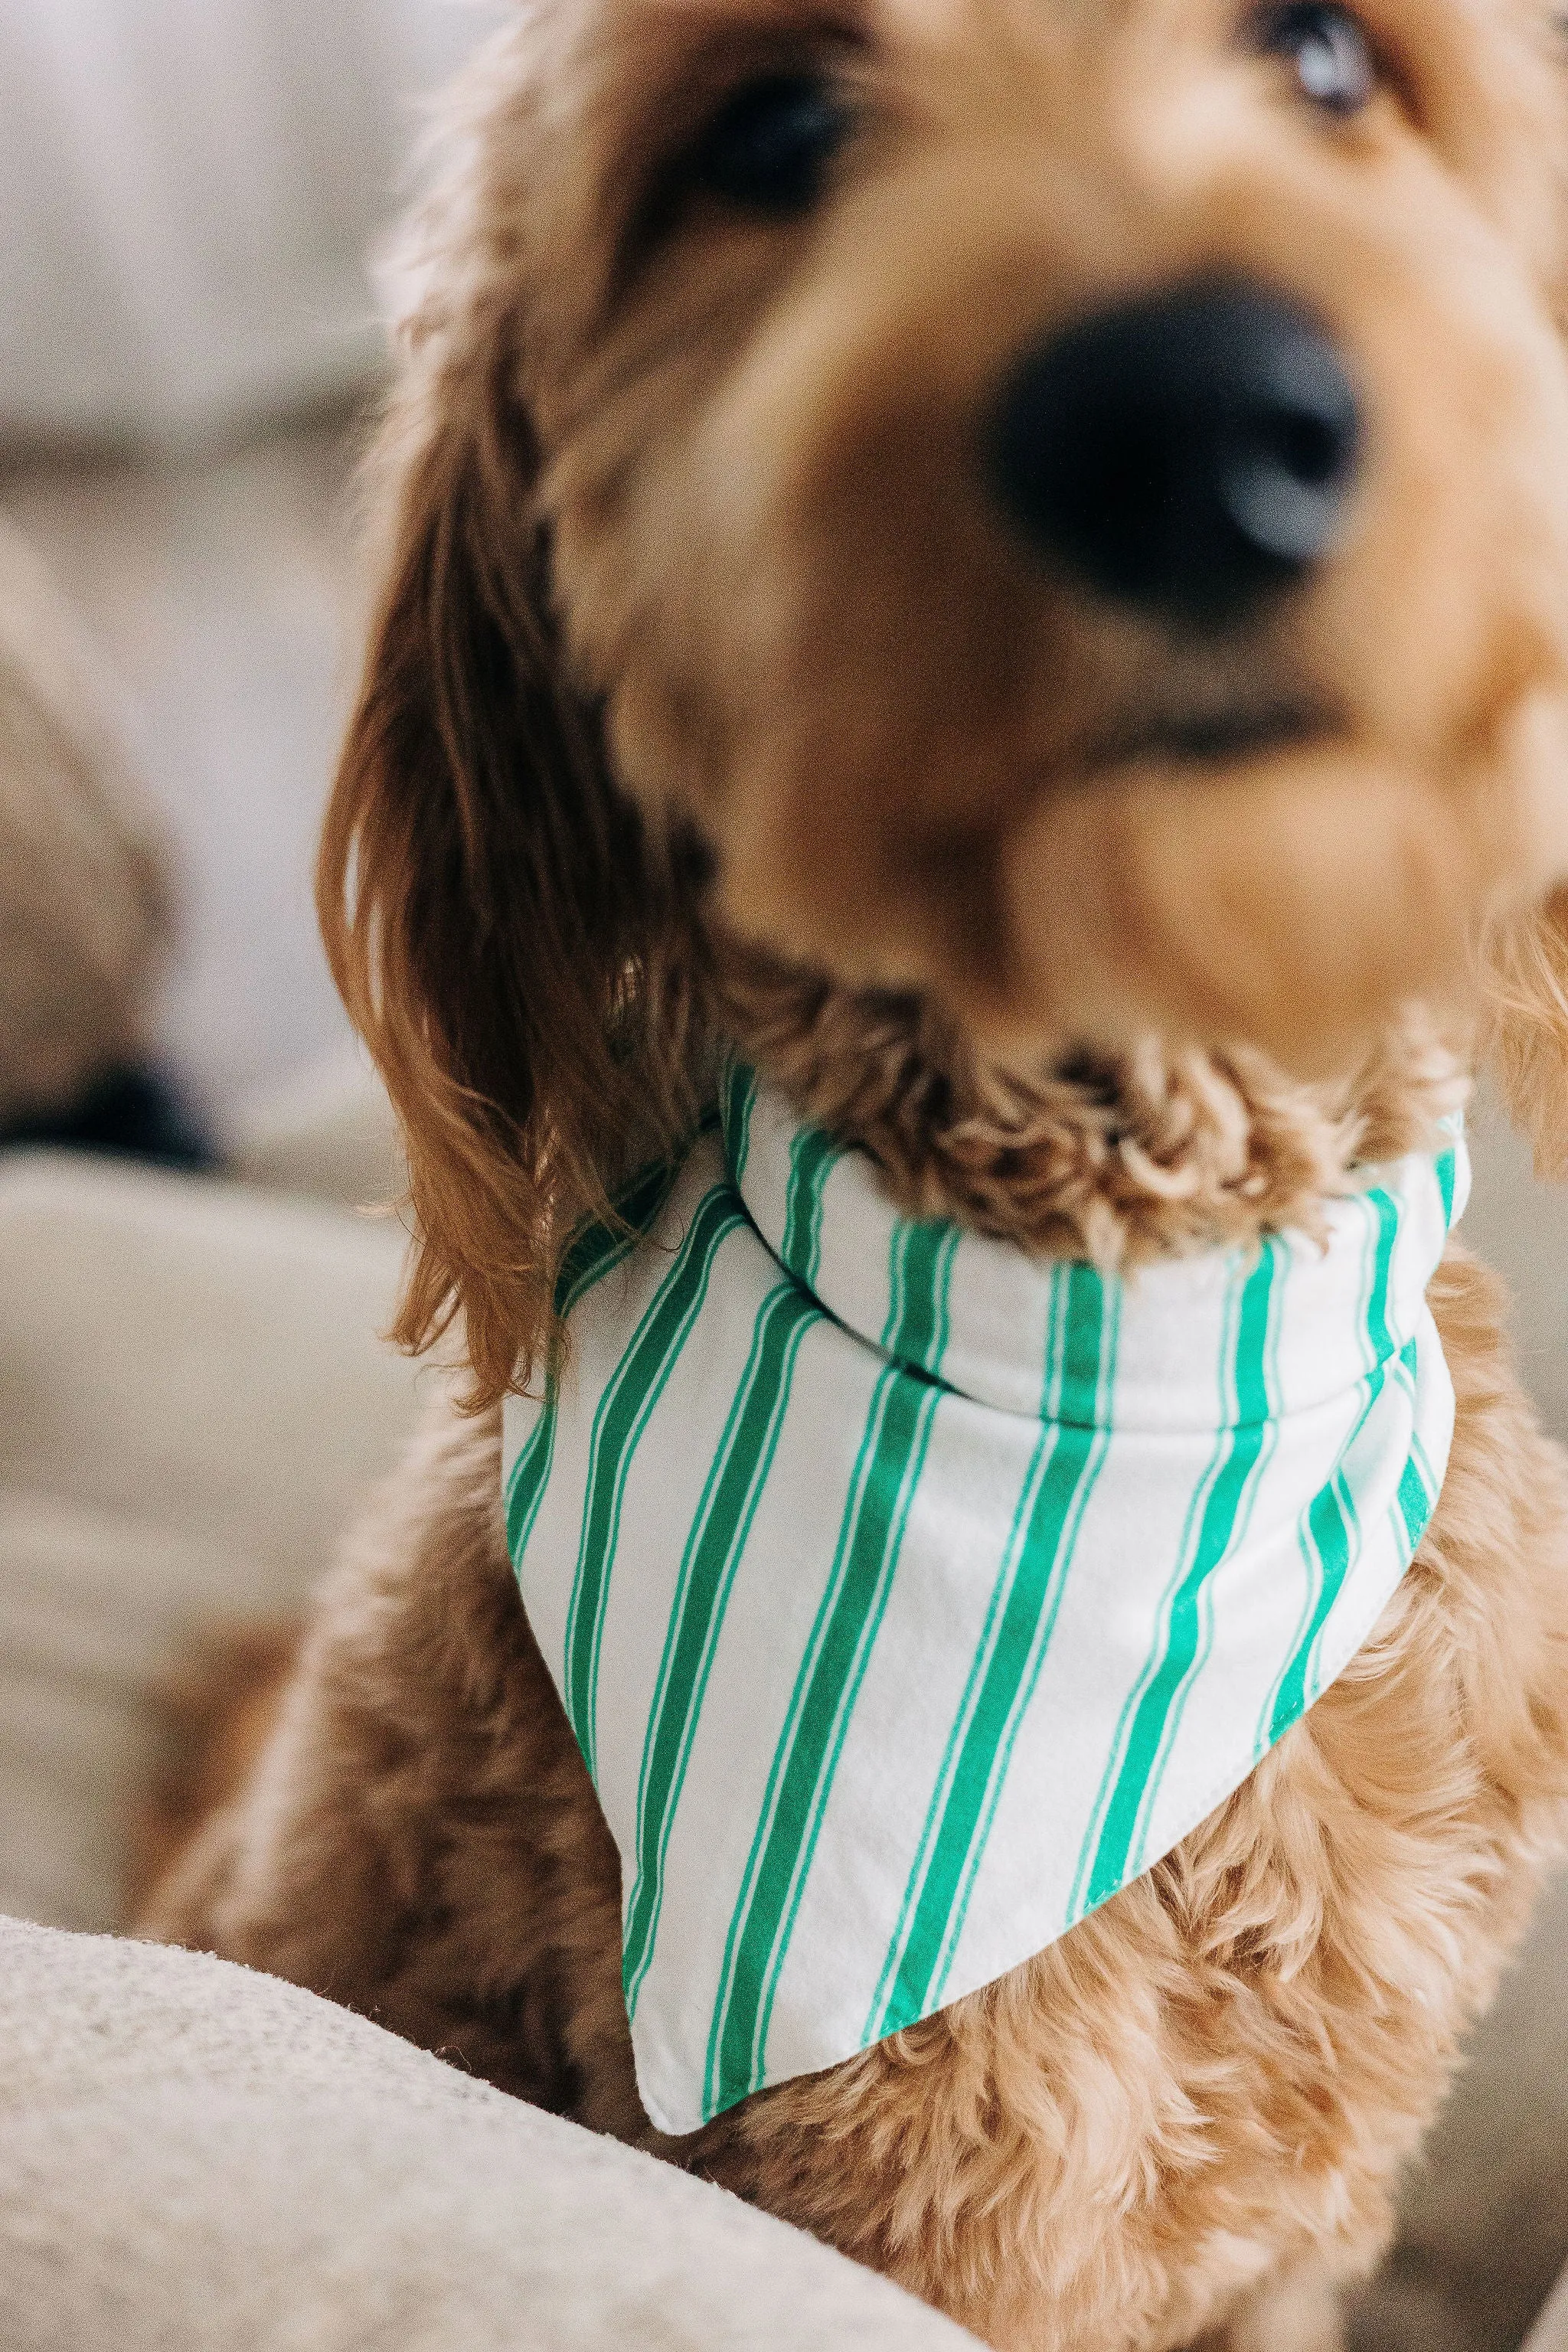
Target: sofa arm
column 192, row 2155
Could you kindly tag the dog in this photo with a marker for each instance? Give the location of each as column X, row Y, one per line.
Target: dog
column 1004, row 568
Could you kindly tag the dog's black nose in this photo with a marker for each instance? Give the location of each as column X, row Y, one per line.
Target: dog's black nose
column 1185, row 453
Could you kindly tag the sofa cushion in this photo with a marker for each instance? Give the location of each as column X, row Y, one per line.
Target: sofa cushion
column 192, row 1400
column 191, row 1355
column 192, row 2156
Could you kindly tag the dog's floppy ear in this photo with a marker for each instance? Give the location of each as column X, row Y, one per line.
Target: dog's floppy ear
column 1526, row 980
column 502, row 929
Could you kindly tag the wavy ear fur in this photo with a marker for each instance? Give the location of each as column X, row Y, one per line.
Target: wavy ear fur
column 505, row 933
column 1526, row 1010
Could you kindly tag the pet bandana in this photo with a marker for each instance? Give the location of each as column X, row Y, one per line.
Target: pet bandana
column 908, row 1596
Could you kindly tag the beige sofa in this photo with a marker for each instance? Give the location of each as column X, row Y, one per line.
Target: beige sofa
column 193, row 1397
column 196, row 2159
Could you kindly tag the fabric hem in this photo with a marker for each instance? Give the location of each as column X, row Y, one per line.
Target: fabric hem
column 1226, row 1785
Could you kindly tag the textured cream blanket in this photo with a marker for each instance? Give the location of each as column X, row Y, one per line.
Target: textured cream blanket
column 194, row 2156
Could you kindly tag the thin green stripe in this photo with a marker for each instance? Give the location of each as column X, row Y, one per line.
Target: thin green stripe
column 1423, row 1465
column 1000, row 1593
column 1330, row 1530
column 713, row 1550
column 1329, row 1524
column 1262, row 1453
column 1448, row 1170
column 922, row 1284
column 919, row 1411
column 1100, row 1450
column 1311, row 1571
column 738, row 1098
column 529, row 1477
column 1415, row 1502
column 600, row 1247
column 813, row 1154
column 712, row 1558
column 1006, row 1664
column 1196, row 1504
column 1408, row 1374
column 623, row 1414
column 812, row 1158
column 887, row 2001
column 1147, row 1733
column 595, row 1253
column 887, row 1473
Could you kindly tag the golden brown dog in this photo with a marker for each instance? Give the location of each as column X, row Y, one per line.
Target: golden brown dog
column 1010, row 560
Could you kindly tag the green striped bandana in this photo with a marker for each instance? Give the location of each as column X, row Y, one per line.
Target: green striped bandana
column 908, row 1596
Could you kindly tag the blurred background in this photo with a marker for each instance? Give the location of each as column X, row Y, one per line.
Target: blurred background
column 193, row 193
column 193, row 1397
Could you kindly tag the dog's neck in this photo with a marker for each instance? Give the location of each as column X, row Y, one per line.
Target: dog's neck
column 1117, row 1156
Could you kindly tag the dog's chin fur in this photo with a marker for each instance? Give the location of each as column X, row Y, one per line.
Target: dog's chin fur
column 705, row 709
column 1114, row 1155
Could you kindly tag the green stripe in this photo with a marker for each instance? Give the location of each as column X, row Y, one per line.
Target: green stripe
column 1329, row 1532
column 529, row 1477
column 595, row 1253
column 887, row 1474
column 921, row 1289
column 712, row 1556
column 1265, row 1739
column 1081, row 1398
column 909, row 1410
column 623, row 1414
column 1008, row 1659
column 812, row 1158
column 1330, row 1538
column 931, row 1829
column 1147, row 1729
column 1102, row 1436
column 600, row 1247
column 713, row 1551
column 1448, row 1168
column 1415, row 1502
column 737, row 1101
column 1263, row 1454
column 1421, row 1461
column 1196, row 1503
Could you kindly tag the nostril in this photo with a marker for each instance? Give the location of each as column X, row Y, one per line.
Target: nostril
column 1186, row 453
column 1311, row 448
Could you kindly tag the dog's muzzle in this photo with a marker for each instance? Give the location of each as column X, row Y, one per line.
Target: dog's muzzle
column 1189, row 453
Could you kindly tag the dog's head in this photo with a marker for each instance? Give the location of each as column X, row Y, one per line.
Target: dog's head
column 1057, row 509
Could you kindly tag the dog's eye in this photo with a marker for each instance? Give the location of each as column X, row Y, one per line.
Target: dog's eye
column 770, row 146
column 1329, row 52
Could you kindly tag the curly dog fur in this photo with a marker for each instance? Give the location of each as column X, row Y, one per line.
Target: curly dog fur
column 709, row 701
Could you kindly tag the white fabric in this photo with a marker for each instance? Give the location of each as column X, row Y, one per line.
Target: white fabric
column 908, row 1596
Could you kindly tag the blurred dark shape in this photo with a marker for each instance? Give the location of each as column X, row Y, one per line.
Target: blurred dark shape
column 137, row 1114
